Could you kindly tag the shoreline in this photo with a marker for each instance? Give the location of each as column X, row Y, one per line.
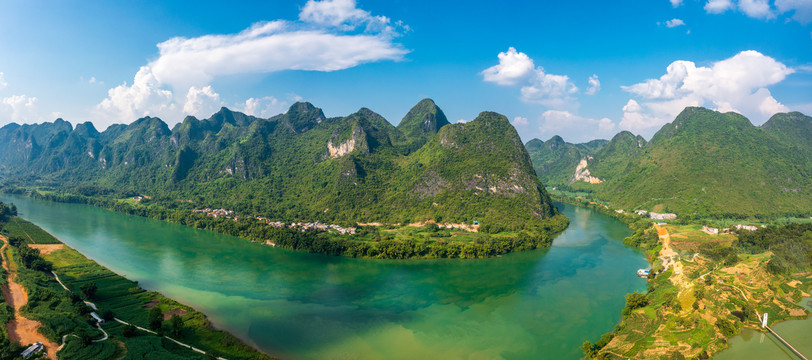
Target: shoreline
column 653, row 260
column 204, row 338
column 387, row 244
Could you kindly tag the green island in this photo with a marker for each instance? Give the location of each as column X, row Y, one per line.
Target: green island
column 137, row 324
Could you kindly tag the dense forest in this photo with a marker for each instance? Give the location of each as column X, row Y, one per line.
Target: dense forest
column 703, row 164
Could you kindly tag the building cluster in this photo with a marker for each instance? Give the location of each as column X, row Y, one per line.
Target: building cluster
column 717, row 231
column 747, row 227
column 218, row 213
column 662, row 216
column 309, row 226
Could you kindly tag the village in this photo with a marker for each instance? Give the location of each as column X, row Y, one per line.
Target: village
column 302, row 226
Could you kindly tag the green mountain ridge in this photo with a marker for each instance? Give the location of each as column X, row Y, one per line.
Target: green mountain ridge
column 704, row 163
column 296, row 166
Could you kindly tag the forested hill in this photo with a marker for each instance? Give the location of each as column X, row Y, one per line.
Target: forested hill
column 295, row 166
column 704, row 163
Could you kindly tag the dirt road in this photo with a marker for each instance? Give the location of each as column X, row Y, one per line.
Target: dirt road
column 20, row 329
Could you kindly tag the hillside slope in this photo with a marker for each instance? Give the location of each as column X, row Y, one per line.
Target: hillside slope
column 296, row 166
column 707, row 163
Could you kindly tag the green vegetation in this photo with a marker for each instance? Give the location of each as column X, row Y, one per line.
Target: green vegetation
column 64, row 313
column 299, row 167
column 791, row 246
column 555, row 160
column 704, row 164
column 691, row 312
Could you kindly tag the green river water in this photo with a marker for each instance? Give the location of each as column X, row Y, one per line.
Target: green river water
column 540, row 304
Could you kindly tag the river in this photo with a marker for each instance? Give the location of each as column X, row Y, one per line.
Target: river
column 538, row 304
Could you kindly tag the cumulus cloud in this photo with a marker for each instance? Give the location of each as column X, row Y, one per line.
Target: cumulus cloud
column 802, row 9
column 735, row 84
column 267, row 106
column 538, row 86
column 343, row 14
column 759, row 9
column 676, row 3
column 519, row 120
column 145, row 97
column 594, row 85
column 201, row 101
column 674, row 23
column 574, row 127
column 718, row 6
column 324, row 39
column 514, row 67
column 798, row 10
column 19, row 109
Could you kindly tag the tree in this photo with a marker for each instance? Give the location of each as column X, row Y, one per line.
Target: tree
column 129, row 331
column 107, row 315
column 155, row 318
column 175, row 323
column 634, row 301
column 89, row 290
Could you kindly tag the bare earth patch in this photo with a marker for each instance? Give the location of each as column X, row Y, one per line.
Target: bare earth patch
column 797, row 312
column 21, row 330
column 45, row 249
column 178, row 312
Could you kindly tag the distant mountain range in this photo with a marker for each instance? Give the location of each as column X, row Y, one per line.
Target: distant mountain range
column 299, row 165
column 704, row 163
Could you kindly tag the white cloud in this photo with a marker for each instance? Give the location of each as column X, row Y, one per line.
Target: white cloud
column 676, row 3
column 718, row 6
column 201, row 102
column 125, row 104
column 3, row 82
column 574, row 127
column 93, row 80
column 759, row 9
column 594, row 85
column 342, row 14
column 549, row 90
column 516, row 68
column 802, row 9
column 19, row 109
column 519, row 120
column 264, row 107
column 323, row 40
column 798, row 10
column 264, row 48
column 736, row 84
column 674, row 23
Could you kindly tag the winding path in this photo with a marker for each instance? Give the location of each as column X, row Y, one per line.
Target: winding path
column 20, row 329
column 92, row 305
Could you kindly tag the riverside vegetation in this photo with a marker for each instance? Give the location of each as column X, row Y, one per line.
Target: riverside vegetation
column 301, row 166
column 718, row 285
column 65, row 317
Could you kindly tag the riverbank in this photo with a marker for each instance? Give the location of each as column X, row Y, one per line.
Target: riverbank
column 64, row 317
column 373, row 242
column 706, row 294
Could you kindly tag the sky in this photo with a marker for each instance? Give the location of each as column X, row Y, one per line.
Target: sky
column 579, row 69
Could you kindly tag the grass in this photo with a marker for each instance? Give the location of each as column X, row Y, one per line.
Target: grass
column 663, row 327
column 61, row 314
column 131, row 303
column 29, row 232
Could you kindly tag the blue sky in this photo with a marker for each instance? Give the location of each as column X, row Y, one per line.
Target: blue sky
column 582, row 70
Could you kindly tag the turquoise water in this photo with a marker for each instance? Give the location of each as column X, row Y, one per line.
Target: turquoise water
column 752, row 344
column 540, row 304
